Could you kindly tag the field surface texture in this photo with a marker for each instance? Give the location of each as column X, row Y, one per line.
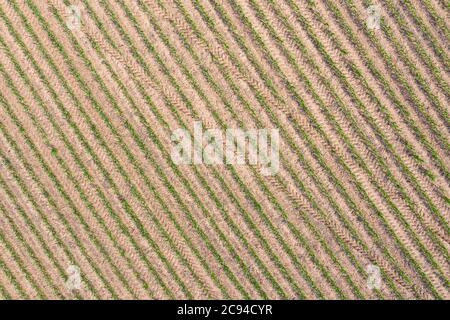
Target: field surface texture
column 94, row 203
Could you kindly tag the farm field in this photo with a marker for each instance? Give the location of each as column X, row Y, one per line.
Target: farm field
column 120, row 167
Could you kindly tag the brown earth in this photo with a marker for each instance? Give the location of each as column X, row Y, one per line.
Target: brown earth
column 87, row 182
